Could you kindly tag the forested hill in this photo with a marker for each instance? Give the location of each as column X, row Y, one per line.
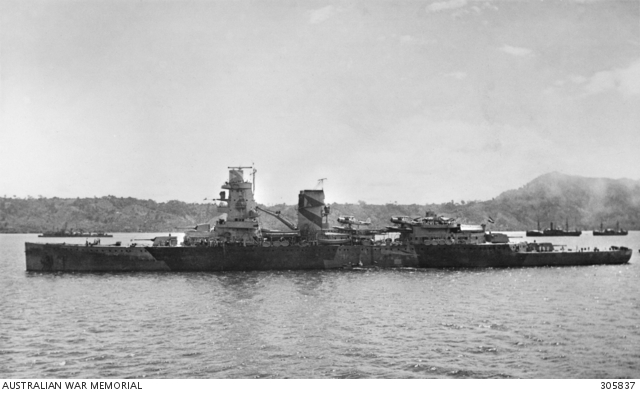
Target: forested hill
column 585, row 202
column 108, row 213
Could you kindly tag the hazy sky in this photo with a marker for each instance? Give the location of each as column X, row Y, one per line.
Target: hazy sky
column 407, row 101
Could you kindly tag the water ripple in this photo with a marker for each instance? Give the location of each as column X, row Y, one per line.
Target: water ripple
column 496, row 323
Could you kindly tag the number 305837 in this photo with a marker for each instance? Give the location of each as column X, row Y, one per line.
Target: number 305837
column 617, row 385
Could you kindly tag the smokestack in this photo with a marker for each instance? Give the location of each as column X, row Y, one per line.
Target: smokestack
column 310, row 207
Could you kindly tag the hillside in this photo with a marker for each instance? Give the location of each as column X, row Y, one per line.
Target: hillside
column 585, row 202
column 110, row 214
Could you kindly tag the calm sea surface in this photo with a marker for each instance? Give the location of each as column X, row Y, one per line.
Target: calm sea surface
column 575, row 322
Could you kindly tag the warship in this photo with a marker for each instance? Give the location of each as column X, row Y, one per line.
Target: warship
column 238, row 242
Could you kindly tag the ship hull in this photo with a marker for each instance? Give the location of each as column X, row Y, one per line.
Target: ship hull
column 552, row 234
column 84, row 235
column 238, row 258
column 57, row 257
column 80, row 258
column 503, row 256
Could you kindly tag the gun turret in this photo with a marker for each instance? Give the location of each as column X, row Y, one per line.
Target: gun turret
column 163, row 241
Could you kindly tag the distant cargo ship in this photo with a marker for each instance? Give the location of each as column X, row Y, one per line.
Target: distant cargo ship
column 553, row 231
column 74, row 234
column 611, row 232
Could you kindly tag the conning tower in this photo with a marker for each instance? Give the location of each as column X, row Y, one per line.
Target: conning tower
column 311, row 210
column 241, row 224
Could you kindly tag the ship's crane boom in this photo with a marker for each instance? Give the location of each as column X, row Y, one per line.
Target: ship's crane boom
column 277, row 215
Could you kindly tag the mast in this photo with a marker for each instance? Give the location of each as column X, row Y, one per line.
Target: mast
column 254, row 181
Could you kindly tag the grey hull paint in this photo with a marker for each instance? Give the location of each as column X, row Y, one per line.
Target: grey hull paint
column 60, row 257
column 57, row 257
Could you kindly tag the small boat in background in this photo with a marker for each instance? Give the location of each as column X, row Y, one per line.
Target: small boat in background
column 64, row 233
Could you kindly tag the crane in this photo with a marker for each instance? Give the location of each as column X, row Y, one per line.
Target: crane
column 277, row 215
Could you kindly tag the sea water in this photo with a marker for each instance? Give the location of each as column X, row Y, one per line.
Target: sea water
column 568, row 322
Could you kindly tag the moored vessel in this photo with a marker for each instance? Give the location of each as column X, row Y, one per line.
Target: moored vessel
column 63, row 232
column 610, row 232
column 553, row 231
column 238, row 242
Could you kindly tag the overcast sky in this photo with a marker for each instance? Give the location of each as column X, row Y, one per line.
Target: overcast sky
column 407, row 101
